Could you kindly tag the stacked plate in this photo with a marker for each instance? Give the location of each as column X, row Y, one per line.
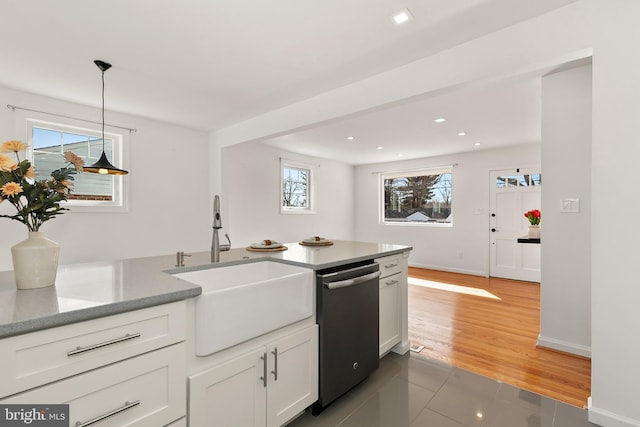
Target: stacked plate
column 316, row 241
column 266, row 244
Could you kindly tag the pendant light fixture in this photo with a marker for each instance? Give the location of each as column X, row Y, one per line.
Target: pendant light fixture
column 103, row 166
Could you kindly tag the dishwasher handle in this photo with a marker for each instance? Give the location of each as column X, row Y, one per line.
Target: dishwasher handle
column 353, row 281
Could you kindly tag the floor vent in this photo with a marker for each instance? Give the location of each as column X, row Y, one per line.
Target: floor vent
column 416, row 348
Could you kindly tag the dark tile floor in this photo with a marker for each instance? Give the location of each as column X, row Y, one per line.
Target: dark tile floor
column 410, row 391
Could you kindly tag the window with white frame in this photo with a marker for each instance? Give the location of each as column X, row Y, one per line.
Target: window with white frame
column 49, row 141
column 421, row 197
column 296, row 194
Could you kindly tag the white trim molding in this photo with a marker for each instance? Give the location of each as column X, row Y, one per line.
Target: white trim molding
column 564, row 346
column 603, row 417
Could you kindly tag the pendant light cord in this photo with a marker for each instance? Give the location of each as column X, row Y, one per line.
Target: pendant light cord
column 102, row 111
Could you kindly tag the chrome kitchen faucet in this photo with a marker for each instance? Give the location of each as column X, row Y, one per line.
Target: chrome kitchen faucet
column 216, row 247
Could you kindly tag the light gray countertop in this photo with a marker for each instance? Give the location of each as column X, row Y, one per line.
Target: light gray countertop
column 315, row 257
column 91, row 290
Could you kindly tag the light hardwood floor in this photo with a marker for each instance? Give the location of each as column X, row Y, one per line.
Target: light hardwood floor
column 492, row 329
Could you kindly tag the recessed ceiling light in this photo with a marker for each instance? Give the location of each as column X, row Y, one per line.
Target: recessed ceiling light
column 440, row 120
column 351, row 138
column 477, row 144
column 400, row 154
column 402, row 16
column 462, row 133
column 379, row 148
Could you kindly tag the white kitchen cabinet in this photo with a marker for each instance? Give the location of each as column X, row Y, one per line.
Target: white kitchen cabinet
column 390, row 304
column 266, row 386
column 389, row 312
column 130, row 366
column 230, row 394
column 293, row 375
column 147, row 390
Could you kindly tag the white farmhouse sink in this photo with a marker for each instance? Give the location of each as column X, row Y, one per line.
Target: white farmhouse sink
column 244, row 301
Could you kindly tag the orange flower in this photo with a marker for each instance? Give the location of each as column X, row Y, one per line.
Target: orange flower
column 12, row 146
column 30, row 173
column 73, row 158
column 11, row 189
column 67, row 183
column 7, row 164
column 35, row 201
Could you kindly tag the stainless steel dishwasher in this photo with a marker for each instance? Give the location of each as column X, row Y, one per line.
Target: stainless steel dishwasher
column 347, row 315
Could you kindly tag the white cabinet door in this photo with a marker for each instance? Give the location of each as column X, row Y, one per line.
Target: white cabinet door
column 231, row 394
column 293, row 375
column 237, row 393
column 389, row 312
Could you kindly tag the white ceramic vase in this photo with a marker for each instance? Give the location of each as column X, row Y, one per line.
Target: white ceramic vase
column 35, row 261
column 534, row 232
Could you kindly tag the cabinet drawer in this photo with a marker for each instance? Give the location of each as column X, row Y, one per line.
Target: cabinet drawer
column 390, row 281
column 148, row 390
column 38, row 358
column 389, row 265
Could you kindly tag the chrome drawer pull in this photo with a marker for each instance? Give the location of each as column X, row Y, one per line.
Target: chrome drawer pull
column 390, row 265
column 275, row 361
column 80, row 350
column 263, row 378
column 127, row 405
column 393, row 282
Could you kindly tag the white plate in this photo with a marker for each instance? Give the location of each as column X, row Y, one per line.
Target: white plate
column 261, row 245
column 313, row 240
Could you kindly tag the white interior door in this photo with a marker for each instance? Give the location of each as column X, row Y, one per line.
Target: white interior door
column 513, row 192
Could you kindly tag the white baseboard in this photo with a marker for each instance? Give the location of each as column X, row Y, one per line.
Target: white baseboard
column 451, row 270
column 564, row 346
column 603, row 417
column 401, row 348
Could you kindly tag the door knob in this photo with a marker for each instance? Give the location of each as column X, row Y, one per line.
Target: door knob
column 493, row 230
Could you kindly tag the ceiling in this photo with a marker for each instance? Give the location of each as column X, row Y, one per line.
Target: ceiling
column 493, row 116
column 209, row 64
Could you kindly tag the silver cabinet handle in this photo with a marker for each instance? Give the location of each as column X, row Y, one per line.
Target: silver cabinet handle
column 392, row 282
column 80, row 350
column 351, row 282
column 127, row 405
column 264, row 369
column 275, row 364
column 390, row 265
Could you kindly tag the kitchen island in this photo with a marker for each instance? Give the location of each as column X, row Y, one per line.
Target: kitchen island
column 91, row 290
column 120, row 328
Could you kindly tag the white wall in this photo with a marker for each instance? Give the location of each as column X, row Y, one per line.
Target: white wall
column 565, row 292
column 615, row 343
column 463, row 248
column 169, row 207
column 251, row 197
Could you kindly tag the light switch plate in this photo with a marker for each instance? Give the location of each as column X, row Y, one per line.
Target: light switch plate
column 570, row 205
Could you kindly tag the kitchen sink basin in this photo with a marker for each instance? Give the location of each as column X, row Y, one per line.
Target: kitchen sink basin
column 240, row 302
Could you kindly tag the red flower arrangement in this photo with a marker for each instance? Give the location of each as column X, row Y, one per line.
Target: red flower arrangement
column 533, row 216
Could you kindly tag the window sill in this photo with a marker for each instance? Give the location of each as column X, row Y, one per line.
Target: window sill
column 419, row 224
column 296, row 212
